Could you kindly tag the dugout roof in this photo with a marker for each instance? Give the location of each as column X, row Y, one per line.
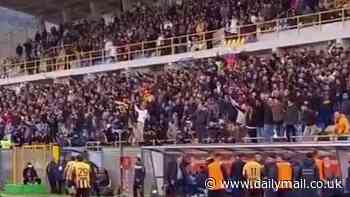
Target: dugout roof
column 325, row 147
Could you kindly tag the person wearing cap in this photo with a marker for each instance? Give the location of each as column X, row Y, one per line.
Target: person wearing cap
column 30, row 176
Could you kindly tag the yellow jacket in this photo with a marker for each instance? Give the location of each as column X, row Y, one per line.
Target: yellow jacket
column 342, row 125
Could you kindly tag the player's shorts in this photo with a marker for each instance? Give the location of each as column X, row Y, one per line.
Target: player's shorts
column 70, row 187
column 72, row 190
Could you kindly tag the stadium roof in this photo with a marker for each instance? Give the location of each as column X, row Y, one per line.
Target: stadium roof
column 251, row 148
column 51, row 10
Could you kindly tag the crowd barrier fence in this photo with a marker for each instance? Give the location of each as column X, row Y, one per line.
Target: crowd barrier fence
column 72, row 58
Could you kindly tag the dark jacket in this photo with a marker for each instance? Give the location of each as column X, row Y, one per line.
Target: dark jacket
column 271, row 171
column 52, row 170
column 200, row 119
column 171, row 172
column 237, row 170
column 30, row 174
column 326, row 112
column 296, row 170
column 251, row 118
column 28, row 48
column 227, row 110
column 345, row 107
column 268, row 118
column 292, row 113
column 277, row 112
column 259, row 116
column 309, row 117
column 140, row 173
column 19, row 50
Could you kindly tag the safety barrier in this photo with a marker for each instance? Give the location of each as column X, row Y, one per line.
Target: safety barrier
column 108, row 157
column 169, row 46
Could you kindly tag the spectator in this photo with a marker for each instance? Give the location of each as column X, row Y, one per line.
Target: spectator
column 28, row 47
column 310, row 122
column 201, row 123
column 19, row 51
column 326, row 112
column 149, row 23
column 252, row 123
column 277, row 116
column 192, row 98
column 259, row 108
column 268, row 121
column 291, row 120
column 345, row 108
column 142, row 115
column 342, row 126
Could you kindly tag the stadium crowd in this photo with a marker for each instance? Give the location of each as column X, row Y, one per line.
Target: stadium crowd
column 301, row 92
column 150, row 23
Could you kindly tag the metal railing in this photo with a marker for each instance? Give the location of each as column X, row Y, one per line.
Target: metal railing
column 231, row 140
column 169, row 46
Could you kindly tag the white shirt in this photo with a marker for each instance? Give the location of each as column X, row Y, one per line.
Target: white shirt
column 233, row 26
column 168, row 25
column 142, row 114
column 160, row 40
column 110, row 49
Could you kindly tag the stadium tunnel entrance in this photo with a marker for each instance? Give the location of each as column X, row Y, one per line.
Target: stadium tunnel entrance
column 161, row 159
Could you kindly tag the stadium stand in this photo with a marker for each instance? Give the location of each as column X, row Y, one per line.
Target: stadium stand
column 220, row 98
column 88, row 42
column 273, row 111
